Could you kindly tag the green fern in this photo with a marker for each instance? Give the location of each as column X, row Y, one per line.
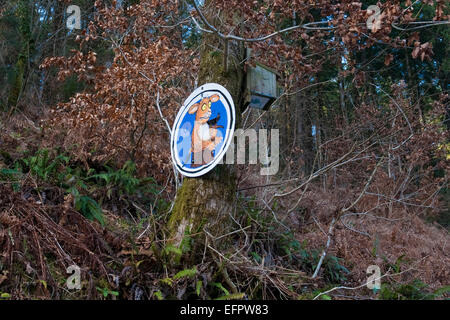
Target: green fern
column 88, row 207
column 186, row 273
column 124, row 181
column 233, row 296
column 198, row 287
column 159, row 295
column 42, row 166
column 221, row 287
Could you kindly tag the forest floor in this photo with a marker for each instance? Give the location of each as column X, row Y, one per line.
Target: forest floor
column 56, row 213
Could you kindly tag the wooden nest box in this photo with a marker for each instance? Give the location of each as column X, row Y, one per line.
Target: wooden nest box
column 262, row 86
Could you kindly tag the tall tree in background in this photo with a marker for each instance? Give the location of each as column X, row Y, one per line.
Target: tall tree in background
column 24, row 14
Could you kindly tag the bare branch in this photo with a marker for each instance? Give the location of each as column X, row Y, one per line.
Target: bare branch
column 366, row 283
column 324, row 252
column 422, row 25
column 403, row 113
column 307, row 26
column 212, row 29
column 365, row 187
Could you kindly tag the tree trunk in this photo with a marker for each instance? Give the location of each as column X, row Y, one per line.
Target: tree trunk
column 206, row 203
column 304, row 132
column 24, row 13
column 17, row 84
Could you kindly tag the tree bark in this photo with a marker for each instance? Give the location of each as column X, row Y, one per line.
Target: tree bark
column 206, row 203
column 24, row 13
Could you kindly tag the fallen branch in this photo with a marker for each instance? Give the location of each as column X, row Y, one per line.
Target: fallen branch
column 324, row 252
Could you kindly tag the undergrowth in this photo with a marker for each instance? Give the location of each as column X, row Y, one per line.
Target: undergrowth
column 89, row 188
column 122, row 250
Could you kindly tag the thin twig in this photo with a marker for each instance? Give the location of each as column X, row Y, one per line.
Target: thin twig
column 324, row 252
column 366, row 283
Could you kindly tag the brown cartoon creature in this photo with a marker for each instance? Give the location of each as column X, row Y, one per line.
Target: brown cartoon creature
column 204, row 134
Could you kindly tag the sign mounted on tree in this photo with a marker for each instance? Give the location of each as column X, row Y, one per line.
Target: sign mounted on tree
column 203, row 130
column 262, row 86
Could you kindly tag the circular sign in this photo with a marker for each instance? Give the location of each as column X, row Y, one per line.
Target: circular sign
column 203, row 130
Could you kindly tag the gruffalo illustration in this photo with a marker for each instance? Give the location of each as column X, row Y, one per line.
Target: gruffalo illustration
column 204, row 134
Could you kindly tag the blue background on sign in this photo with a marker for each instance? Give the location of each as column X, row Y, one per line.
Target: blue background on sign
column 183, row 138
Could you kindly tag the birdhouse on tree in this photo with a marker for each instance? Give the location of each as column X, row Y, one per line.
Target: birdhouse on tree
column 262, row 86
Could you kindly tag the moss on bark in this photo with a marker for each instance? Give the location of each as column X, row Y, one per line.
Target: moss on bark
column 24, row 11
column 18, row 82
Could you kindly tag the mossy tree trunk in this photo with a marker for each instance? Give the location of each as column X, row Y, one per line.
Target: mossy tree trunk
column 17, row 83
column 23, row 13
column 204, row 205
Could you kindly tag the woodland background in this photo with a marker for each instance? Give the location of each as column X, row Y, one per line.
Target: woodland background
column 85, row 171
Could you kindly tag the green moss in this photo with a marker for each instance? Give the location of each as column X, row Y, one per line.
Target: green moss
column 17, row 82
column 212, row 70
column 202, row 202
